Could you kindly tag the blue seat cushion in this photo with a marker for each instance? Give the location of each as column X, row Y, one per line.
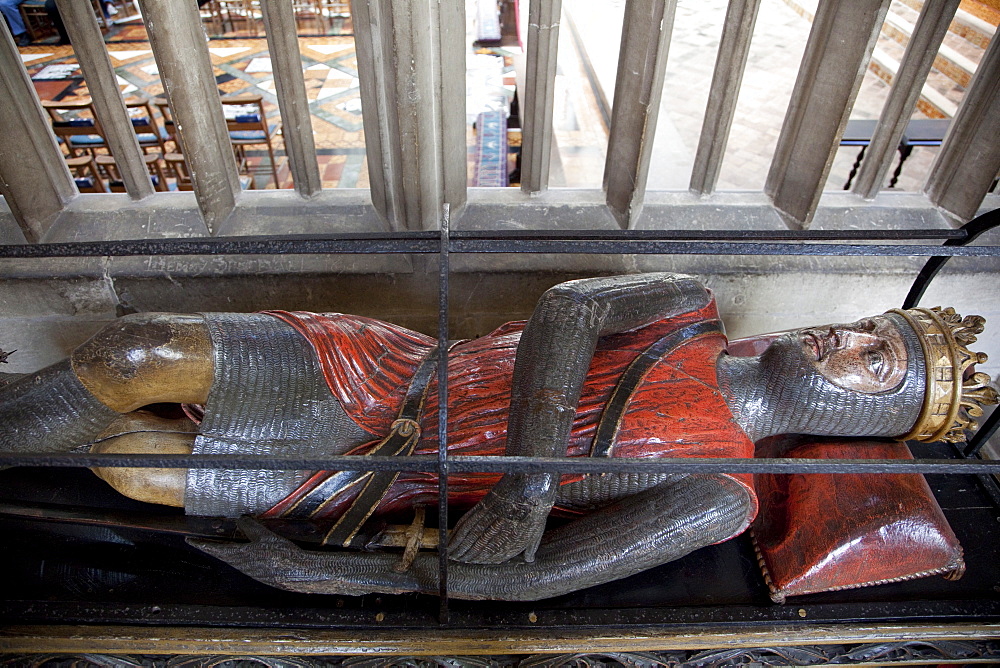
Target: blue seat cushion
column 84, row 182
column 87, row 140
column 252, row 135
column 150, row 138
column 248, row 135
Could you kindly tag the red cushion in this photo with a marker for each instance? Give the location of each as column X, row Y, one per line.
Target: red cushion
column 823, row 532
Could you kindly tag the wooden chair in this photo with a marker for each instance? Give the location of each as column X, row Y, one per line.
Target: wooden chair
column 76, row 126
column 36, row 19
column 39, row 23
column 337, row 8
column 147, row 130
column 126, row 7
column 179, row 169
column 117, row 185
column 182, row 175
column 333, row 12
column 307, row 16
column 86, row 175
column 248, row 126
column 211, row 17
column 245, row 12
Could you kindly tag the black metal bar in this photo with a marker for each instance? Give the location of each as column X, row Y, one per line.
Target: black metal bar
column 988, row 483
column 643, row 247
column 444, row 269
column 986, row 431
column 365, row 243
column 710, row 235
column 419, row 243
column 472, row 464
column 185, row 525
column 611, row 621
column 306, row 531
column 972, row 229
column 855, row 166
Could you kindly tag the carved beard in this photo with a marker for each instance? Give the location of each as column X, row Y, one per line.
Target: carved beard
column 781, row 392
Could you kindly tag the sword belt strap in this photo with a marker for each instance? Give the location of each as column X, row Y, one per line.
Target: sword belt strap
column 404, row 434
column 402, row 439
column 614, row 410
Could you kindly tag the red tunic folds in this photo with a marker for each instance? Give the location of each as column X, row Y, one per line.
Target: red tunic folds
column 676, row 411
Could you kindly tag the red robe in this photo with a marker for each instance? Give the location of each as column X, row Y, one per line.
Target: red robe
column 676, row 411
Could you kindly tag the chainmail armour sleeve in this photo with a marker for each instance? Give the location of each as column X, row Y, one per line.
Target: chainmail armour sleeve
column 268, row 397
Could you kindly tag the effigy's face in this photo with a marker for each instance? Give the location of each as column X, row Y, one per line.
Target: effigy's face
column 868, row 355
column 865, row 378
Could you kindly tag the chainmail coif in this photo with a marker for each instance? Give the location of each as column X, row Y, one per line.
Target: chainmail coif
column 781, row 392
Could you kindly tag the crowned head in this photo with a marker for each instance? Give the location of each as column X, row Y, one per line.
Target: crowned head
column 903, row 374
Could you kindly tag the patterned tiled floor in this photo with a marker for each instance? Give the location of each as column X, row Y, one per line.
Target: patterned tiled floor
column 241, row 67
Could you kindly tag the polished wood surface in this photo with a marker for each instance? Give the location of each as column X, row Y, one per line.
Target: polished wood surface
column 304, row 642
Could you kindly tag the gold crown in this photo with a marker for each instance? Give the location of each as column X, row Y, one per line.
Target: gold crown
column 951, row 401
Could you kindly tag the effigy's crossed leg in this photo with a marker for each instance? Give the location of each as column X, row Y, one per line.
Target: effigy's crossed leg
column 88, row 399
